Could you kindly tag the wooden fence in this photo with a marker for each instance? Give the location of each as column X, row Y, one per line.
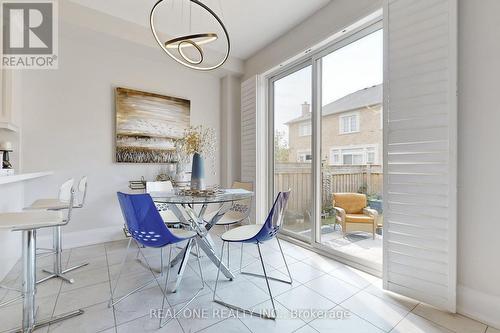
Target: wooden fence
column 298, row 178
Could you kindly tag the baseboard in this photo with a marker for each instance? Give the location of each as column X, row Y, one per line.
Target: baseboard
column 84, row 238
column 478, row 305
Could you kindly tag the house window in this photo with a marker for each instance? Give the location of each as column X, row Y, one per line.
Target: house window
column 353, row 156
column 335, row 157
column 349, row 123
column 305, row 129
column 370, row 155
column 359, row 155
column 304, row 157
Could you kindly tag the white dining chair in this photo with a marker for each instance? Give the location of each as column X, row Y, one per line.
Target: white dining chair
column 166, row 214
column 258, row 234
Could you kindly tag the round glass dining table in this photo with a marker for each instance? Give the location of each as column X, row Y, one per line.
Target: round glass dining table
column 185, row 205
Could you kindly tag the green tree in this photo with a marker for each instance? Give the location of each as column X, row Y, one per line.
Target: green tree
column 281, row 150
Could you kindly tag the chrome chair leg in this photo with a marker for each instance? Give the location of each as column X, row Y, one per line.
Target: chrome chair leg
column 57, row 271
column 176, row 313
column 226, row 228
column 237, row 308
column 271, row 277
column 113, row 302
column 161, row 261
column 110, row 303
column 218, row 269
column 267, row 282
column 199, row 265
column 241, row 256
column 111, row 299
column 166, row 286
column 284, row 259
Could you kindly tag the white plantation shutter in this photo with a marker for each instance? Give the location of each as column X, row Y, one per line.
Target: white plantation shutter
column 249, row 133
column 420, row 111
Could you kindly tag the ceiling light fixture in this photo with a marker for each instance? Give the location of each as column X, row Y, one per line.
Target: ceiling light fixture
column 191, row 42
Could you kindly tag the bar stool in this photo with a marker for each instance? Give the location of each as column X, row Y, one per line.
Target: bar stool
column 28, row 222
column 59, row 204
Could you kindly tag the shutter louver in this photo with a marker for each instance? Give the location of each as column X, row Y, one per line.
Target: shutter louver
column 249, row 133
column 420, row 110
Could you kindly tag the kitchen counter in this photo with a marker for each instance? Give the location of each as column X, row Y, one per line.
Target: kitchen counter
column 23, row 177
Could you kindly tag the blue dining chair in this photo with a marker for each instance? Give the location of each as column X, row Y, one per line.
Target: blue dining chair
column 258, row 234
column 148, row 229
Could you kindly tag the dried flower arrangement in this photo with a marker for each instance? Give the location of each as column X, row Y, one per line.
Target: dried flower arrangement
column 198, row 139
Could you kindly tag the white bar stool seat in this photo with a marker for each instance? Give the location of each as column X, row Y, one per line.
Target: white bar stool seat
column 28, row 222
column 48, row 204
column 30, row 219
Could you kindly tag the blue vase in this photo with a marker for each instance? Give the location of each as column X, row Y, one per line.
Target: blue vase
column 198, row 173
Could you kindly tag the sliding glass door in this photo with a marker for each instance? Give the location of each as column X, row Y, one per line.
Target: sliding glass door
column 291, row 95
column 351, row 76
column 327, row 133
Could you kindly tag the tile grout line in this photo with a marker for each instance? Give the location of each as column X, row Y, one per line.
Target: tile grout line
column 404, row 317
column 301, row 327
column 432, row 321
column 248, row 328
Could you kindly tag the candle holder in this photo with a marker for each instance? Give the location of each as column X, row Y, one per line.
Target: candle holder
column 6, row 148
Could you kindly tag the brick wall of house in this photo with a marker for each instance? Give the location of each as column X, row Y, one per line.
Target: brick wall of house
column 370, row 133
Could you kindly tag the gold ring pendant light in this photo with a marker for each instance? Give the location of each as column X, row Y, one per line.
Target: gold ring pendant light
column 191, row 41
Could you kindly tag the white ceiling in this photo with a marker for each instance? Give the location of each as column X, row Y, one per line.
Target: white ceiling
column 251, row 24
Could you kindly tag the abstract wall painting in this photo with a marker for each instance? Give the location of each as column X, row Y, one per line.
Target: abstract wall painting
column 148, row 125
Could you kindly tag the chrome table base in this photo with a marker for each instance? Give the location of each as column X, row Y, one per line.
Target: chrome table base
column 203, row 240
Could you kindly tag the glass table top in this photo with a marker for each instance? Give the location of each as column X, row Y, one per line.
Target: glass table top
column 226, row 195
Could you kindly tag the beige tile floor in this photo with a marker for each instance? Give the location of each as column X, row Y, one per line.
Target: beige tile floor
column 343, row 299
column 356, row 244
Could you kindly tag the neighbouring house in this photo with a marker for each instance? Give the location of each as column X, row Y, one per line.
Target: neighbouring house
column 352, row 130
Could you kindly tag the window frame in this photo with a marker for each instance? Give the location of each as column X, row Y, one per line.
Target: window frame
column 365, row 150
column 349, row 115
column 308, row 126
column 304, row 153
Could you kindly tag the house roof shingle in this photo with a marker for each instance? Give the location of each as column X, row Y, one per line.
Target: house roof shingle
column 359, row 99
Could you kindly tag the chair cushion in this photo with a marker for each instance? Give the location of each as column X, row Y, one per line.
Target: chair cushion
column 241, row 233
column 48, row 204
column 352, row 203
column 358, row 218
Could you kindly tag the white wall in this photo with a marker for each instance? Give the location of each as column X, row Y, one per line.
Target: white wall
column 69, row 118
column 479, row 160
column 230, row 129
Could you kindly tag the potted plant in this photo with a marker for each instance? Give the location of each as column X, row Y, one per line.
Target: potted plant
column 199, row 142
